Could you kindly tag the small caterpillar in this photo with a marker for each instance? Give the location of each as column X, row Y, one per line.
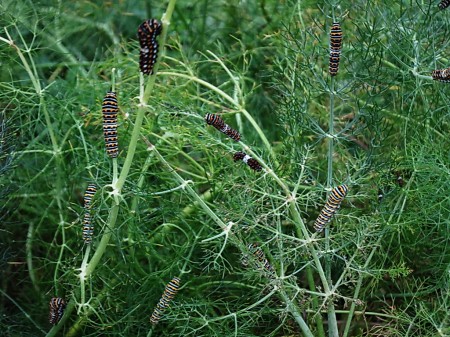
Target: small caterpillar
column 251, row 162
column 441, row 75
column 147, row 34
column 334, row 201
column 219, row 124
column 335, row 48
column 259, row 254
column 57, row 306
column 110, row 109
column 169, row 293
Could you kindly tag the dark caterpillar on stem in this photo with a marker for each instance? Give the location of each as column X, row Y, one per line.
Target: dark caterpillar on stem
column 147, row 34
column 57, row 306
column 335, row 48
column 251, row 162
column 219, row 124
column 441, row 75
column 110, row 108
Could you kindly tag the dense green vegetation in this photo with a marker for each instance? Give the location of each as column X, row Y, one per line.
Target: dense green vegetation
column 174, row 203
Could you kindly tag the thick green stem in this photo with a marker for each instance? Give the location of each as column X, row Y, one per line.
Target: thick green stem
column 315, row 303
column 332, row 322
column 103, row 242
column 83, row 279
column 296, row 314
column 131, row 150
column 143, row 101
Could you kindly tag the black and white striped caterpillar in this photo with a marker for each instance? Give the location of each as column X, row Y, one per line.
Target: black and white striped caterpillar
column 57, row 306
column 110, row 109
column 333, row 203
column 88, row 228
column 335, row 48
column 169, row 293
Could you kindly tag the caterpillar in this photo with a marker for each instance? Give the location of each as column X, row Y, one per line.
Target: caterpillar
column 334, row 201
column 147, row 33
column 169, row 293
column 57, row 306
column 88, row 228
column 259, row 254
column 110, row 109
column 219, row 124
column 89, row 194
column 251, row 162
column 335, row 48
column 441, row 75
column 444, row 4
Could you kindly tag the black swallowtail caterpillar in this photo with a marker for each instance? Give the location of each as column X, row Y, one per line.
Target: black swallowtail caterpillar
column 147, row 33
column 88, row 195
column 253, row 163
column 334, row 201
column 441, row 75
column 88, row 228
column 335, row 48
column 169, row 293
column 219, row 124
column 110, row 108
column 57, row 306
column 444, row 4
column 259, row 254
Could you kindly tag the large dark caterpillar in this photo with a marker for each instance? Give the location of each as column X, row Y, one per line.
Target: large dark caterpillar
column 169, row 293
column 334, row 201
column 335, row 48
column 251, row 162
column 110, row 109
column 57, row 306
column 219, row 124
column 441, row 75
column 147, row 33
